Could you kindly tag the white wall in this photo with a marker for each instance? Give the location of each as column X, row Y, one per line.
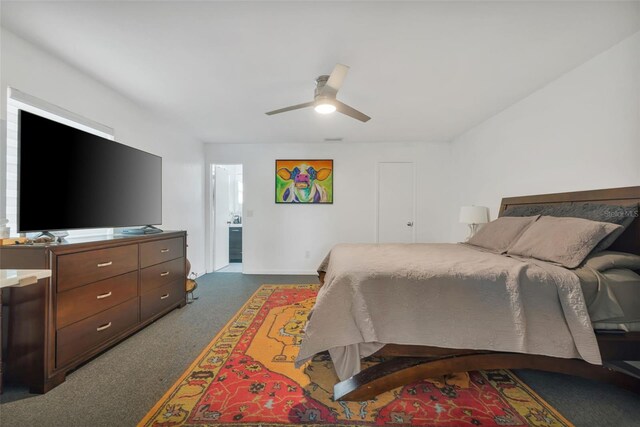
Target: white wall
column 37, row 73
column 580, row 132
column 276, row 237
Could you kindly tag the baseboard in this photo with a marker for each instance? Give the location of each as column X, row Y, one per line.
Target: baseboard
column 279, row 272
column 283, row 272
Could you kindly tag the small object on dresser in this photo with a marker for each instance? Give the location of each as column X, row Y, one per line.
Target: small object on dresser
column 147, row 229
column 43, row 239
column 13, row 241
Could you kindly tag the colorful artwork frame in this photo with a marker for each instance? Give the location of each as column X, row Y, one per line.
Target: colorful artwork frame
column 307, row 182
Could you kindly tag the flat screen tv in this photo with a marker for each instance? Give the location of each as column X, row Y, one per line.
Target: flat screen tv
column 70, row 179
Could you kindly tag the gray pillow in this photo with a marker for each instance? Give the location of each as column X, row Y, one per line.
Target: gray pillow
column 621, row 215
column 498, row 235
column 566, row 241
column 607, row 260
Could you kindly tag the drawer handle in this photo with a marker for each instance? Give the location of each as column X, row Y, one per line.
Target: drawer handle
column 165, row 296
column 164, row 251
column 105, row 264
column 103, row 327
column 166, row 273
column 108, row 294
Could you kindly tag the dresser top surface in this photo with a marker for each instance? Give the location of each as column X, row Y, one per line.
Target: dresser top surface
column 99, row 240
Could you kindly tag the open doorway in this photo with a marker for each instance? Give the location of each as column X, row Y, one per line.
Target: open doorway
column 226, row 218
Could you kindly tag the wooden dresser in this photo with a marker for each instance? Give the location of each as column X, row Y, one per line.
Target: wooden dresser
column 100, row 292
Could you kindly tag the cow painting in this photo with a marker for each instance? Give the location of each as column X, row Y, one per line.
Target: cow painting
column 304, row 181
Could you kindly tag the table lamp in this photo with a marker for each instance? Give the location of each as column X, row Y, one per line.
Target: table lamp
column 473, row 216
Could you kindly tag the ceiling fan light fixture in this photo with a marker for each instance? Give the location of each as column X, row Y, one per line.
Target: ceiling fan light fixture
column 325, row 108
column 324, row 97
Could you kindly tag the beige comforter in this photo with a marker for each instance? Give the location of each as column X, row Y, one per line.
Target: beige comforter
column 444, row 295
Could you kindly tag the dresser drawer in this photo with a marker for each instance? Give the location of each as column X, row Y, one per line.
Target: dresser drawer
column 159, row 299
column 86, row 267
column 84, row 301
column 90, row 333
column 160, row 251
column 161, row 274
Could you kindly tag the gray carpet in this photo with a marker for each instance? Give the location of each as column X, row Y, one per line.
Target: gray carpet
column 118, row 387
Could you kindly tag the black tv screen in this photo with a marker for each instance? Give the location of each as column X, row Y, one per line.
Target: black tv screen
column 70, row 179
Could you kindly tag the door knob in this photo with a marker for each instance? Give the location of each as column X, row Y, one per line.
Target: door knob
column 410, row 224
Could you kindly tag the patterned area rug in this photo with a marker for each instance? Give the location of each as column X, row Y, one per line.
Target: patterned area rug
column 246, row 377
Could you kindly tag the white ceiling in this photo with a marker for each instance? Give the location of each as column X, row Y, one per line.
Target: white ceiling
column 424, row 71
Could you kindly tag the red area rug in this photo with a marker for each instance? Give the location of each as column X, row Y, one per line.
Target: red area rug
column 246, row 377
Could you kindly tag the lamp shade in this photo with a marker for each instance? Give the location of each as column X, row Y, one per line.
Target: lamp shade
column 474, row 215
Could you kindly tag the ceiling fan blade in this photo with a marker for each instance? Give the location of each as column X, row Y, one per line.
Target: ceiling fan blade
column 351, row 112
column 337, row 77
column 293, row 107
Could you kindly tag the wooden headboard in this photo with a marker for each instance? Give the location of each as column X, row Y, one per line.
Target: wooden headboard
column 629, row 241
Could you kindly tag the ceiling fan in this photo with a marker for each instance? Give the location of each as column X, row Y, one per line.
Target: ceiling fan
column 324, row 98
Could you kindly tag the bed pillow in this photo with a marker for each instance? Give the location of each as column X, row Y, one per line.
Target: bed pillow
column 498, row 235
column 621, row 215
column 608, row 260
column 566, row 241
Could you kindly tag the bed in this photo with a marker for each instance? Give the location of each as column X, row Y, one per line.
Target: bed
column 516, row 301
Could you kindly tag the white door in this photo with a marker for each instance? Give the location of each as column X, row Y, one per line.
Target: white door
column 396, row 202
column 220, row 218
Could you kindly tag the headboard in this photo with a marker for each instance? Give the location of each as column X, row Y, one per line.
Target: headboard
column 629, row 241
